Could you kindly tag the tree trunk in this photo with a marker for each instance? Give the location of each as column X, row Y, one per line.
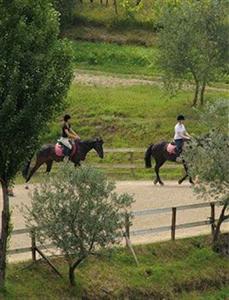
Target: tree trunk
column 107, row 1
column 116, row 8
column 4, row 232
column 72, row 268
column 138, row 2
column 202, row 93
column 220, row 221
column 196, row 94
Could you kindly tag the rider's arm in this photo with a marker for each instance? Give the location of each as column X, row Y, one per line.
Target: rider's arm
column 73, row 134
column 69, row 134
column 187, row 135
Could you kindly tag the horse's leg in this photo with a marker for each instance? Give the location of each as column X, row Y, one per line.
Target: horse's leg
column 186, row 174
column 157, row 167
column 33, row 170
column 49, row 165
column 189, row 177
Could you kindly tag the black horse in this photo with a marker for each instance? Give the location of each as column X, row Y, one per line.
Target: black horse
column 160, row 154
column 46, row 155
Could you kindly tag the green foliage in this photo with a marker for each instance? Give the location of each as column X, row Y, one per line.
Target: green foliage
column 208, row 154
column 194, row 42
column 66, row 10
column 185, row 269
column 208, row 161
column 35, row 72
column 78, row 210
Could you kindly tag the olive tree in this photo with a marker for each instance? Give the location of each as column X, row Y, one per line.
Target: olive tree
column 78, row 210
column 35, row 73
column 208, row 160
column 193, row 43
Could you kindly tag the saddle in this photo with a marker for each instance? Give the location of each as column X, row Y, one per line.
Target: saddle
column 60, row 149
column 171, row 148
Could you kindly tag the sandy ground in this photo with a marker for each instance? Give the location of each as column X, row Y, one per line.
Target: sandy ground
column 107, row 79
column 147, row 196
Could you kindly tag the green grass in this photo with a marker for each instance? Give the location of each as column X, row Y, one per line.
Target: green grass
column 100, row 15
column 132, row 116
column 221, row 294
column 169, row 270
column 115, row 58
column 129, row 116
column 95, row 22
column 123, row 60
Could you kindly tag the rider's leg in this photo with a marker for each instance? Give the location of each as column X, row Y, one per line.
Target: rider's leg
column 67, row 144
column 179, row 144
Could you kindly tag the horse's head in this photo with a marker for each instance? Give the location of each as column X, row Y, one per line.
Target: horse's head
column 98, row 146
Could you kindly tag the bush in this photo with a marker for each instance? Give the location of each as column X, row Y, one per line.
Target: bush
column 78, row 210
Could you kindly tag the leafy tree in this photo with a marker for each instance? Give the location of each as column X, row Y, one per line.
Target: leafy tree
column 66, row 9
column 208, row 155
column 194, row 43
column 79, row 212
column 35, row 73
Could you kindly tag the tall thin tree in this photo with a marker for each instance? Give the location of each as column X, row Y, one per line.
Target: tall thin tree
column 35, row 73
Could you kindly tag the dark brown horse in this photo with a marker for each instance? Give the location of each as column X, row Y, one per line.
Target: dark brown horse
column 160, row 154
column 46, row 155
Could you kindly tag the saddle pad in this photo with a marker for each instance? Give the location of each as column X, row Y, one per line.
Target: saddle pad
column 59, row 150
column 171, row 149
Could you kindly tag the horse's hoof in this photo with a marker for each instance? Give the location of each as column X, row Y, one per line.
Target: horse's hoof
column 10, row 193
column 161, row 183
column 155, row 182
column 179, row 182
column 26, row 187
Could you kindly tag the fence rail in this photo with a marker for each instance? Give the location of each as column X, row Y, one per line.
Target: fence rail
column 140, row 213
column 132, row 165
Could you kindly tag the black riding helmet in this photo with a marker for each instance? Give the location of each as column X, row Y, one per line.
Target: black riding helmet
column 67, row 117
column 180, row 117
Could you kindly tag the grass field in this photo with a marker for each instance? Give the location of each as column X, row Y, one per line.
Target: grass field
column 132, row 60
column 115, row 58
column 185, row 269
column 96, row 22
column 132, row 116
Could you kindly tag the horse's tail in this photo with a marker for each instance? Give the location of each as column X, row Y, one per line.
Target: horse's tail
column 148, row 154
column 25, row 170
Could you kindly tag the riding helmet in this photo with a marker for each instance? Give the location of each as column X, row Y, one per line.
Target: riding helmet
column 180, row 117
column 67, row 117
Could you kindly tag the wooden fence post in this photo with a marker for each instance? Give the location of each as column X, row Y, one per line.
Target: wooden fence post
column 132, row 162
column 212, row 218
column 127, row 227
column 33, row 245
column 173, row 225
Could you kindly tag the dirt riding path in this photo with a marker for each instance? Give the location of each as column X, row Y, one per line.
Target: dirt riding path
column 109, row 79
column 147, row 196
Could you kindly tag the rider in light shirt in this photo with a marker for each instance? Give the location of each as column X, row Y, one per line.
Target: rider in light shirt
column 180, row 134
